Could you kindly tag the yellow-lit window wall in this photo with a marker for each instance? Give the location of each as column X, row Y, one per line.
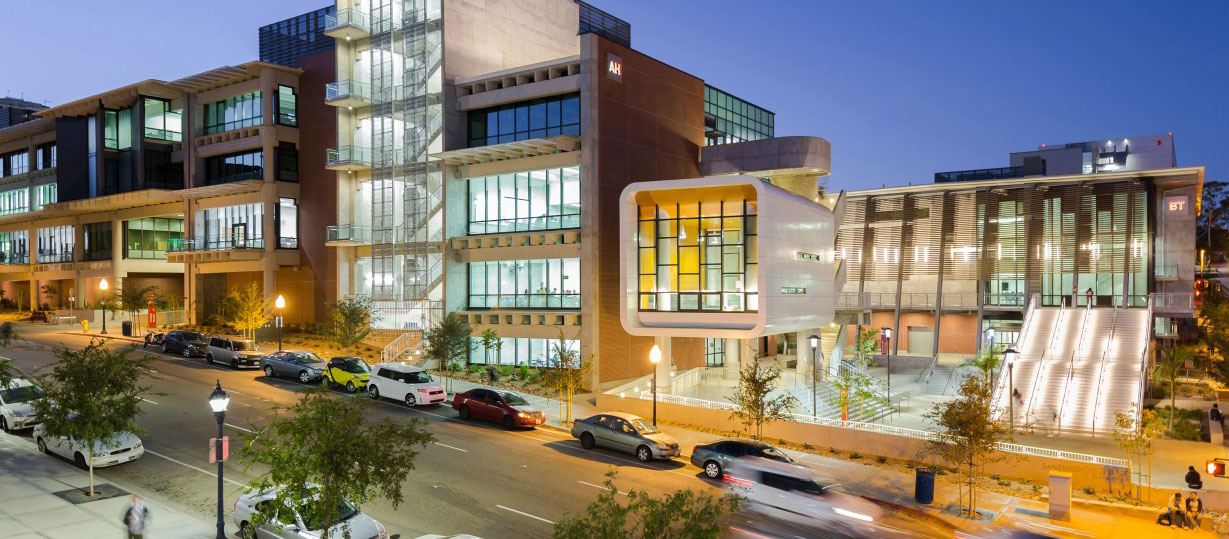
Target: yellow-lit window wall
column 698, row 256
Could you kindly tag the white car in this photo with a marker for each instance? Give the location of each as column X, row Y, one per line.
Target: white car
column 125, row 447
column 794, row 493
column 398, row 381
column 16, row 409
column 289, row 523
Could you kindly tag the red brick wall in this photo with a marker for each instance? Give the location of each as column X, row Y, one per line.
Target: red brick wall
column 317, row 186
column 957, row 331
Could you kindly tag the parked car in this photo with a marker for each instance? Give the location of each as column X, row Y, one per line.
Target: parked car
column 294, row 521
column 125, row 447
column 715, row 457
column 627, row 433
column 234, row 352
column 306, row 366
column 398, row 381
column 351, row 372
column 795, row 493
column 16, row 405
column 508, row 408
column 186, row 343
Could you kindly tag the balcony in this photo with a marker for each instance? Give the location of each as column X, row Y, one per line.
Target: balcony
column 213, row 243
column 163, row 134
column 347, row 24
column 345, row 235
column 348, row 158
column 347, row 93
column 1166, row 272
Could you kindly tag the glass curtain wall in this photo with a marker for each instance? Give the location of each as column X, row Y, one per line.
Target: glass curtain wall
column 287, row 106
column 14, row 201
column 714, row 352
column 521, row 351
column 537, row 118
column 14, row 163
column 150, row 237
column 233, row 113
column 535, row 200
column 55, row 244
column 45, row 156
column 551, row 283
column 97, row 237
column 230, row 227
column 161, row 122
column 15, row 247
column 698, row 256
column 234, row 167
column 287, row 224
column 117, row 129
column 47, row 193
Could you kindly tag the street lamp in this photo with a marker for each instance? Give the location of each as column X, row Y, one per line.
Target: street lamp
column 814, row 359
column 218, row 401
column 103, row 286
column 990, row 337
column 655, row 358
column 1011, row 386
column 280, row 303
column 887, row 354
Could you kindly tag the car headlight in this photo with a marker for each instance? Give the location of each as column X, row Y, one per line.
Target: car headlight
column 522, row 414
column 316, row 370
column 136, row 445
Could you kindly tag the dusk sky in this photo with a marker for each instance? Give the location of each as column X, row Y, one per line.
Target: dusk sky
column 900, row 89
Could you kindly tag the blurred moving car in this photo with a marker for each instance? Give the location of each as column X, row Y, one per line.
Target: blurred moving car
column 412, row 385
column 509, row 409
column 627, row 433
column 295, row 521
column 17, row 405
column 185, row 343
column 351, row 372
column 794, row 493
column 306, row 366
column 715, row 457
column 125, row 447
column 234, row 352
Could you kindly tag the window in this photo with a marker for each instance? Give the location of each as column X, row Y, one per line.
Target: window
column 117, row 129
column 230, row 227
column 793, row 290
column 97, row 237
column 14, row 163
column 698, row 256
column 45, row 194
column 287, row 156
column 714, row 352
column 521, row 351
column 161, row 122
column 14, row 201
column 552, row 283
column 287, row 106
column 55, row 244
column 730, row 119
column 535, row 200
column 234, row 167
column 160, row 172
column 537, row 118
column 233, row 113
column 44, row 156
column 14, row 247
column 149, row 238
column 287, row 224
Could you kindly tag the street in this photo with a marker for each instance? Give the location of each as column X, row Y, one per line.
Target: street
column 476, row 479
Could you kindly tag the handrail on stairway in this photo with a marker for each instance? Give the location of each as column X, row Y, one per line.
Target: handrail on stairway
column 1109, row 341
column 1062, row 309
column 1062, row 408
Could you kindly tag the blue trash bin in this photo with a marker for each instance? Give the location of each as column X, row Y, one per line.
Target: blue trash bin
column 924, row 485
column 127, row 328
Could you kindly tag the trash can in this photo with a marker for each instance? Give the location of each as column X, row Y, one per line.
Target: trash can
column 127, row 325
column 924, row 485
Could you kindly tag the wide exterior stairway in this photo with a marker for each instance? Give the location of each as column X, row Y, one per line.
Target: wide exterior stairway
column 1076, row 367
column 947, row 379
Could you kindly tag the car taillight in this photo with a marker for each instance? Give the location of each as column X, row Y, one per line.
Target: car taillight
column 734, row 480
column 694, row 448
column 235, row 505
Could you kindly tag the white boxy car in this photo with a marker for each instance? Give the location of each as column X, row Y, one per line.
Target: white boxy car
column 796, row 494
column 412, row 385
column 125, row 447
column 16, row 409
column 289, row 523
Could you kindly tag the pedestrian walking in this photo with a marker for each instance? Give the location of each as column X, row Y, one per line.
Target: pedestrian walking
column 136, row 518
column 490, row 373
column 1088, row 296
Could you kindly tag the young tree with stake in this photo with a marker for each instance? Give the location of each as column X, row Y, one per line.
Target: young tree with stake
column 754, row 404
column 969, row 432
column 448, row 343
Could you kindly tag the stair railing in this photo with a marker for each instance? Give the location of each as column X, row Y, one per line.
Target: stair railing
column 1002, row 383
column 1062, row 408
column 1109, row 343
column 1143, row 366
column 1058, row 320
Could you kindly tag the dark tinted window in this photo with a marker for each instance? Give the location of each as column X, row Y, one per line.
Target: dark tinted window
column 788, row 483
column 384, row 373
column 604, row 421
column 733, row 449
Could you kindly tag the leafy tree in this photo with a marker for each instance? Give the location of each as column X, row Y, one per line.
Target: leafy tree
column 8, row 334
column 566, row 372
column 249, row 309
column 857, row 387
column 1168, row 364
column 93, row 395
column 987, row 361
column 51, row 291
column 968, row 432
column 1134, row 432
column 1213, row 220
column 333, row 444
column 133, row 298
column 491, row 343
column 754, row 404
column 683, row 514
column 352, row 318
column 448, row 343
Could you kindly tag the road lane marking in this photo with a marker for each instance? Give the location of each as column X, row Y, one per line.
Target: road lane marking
column 238, row 427
column 598, row 486
column 201, row 470
column 551, row 522
column 147, row 400
column 451, row 447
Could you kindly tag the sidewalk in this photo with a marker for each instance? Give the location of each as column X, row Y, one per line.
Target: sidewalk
column 30, row 508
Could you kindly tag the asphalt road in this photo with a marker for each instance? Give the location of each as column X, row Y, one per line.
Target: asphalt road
column 476, row 479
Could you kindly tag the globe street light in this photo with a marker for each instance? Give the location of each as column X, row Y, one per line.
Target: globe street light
column 102, row 285
column 218, row 400
column 814, row 359
column 655, row 358
column 990, row 337
column 887, row 354
column 280, row 303
column 1011, row 386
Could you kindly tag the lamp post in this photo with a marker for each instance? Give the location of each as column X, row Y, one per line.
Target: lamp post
column 1011, row 386
column 218, row 401
column 990, row 338
column 280, row 303
column 103, row 286
column 655, row 358
column 814, row 381
column 887, row 353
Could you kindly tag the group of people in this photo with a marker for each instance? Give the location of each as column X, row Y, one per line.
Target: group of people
column 1186, row 514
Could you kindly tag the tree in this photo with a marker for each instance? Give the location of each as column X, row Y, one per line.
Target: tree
column 328, row 447
column 8, row 334
column 93, row 395
column 987, row 361
column 491, row 342
column 969, row 433
column 250, row 310
column 754, row 404
column 1134, row 433
column 352, row 318
column 1213, row 220
column 133, row 297
column 683, row 514
column 1168, row 364
column 448, row 343
column 856, row 385
column 51, row 291
column 565, row 372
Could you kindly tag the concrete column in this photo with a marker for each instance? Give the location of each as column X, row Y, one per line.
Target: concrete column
column 663, row 366
column 803, row 352
column 117, row 244
column 733, row 349
column 34, row 294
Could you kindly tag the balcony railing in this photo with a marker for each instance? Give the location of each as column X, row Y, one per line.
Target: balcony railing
column 350, row 232
column 348, row 154
column 14, row 258
column 346, row 17
column 163, row 134
column 52, row 258
column 347, row 88
column 219, row 243
column 1166, row 272
column 1178, row 300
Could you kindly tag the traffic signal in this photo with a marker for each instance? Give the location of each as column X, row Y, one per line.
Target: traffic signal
column 1215, row 468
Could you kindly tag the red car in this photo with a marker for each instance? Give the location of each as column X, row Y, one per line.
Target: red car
column 507, row 408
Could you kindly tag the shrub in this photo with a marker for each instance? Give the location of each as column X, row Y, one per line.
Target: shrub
column 996, row 477
column 832, row 450
column 807, row 447
column 474, row 368
column 523, row 372
column 504, row 370
column 881, row 459
column 1090, row 491
column 1185, row 430
column 855, row 455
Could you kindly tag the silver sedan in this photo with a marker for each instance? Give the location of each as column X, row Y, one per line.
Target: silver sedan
column 627, row 433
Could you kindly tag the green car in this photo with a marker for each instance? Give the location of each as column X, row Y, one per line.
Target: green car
column 351, row 372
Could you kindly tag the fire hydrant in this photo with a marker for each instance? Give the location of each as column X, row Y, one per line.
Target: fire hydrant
column 85, row 326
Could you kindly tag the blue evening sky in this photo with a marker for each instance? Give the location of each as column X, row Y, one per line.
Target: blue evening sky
column 901, row 89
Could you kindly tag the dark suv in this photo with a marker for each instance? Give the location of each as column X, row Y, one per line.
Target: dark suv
column 185, row 343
